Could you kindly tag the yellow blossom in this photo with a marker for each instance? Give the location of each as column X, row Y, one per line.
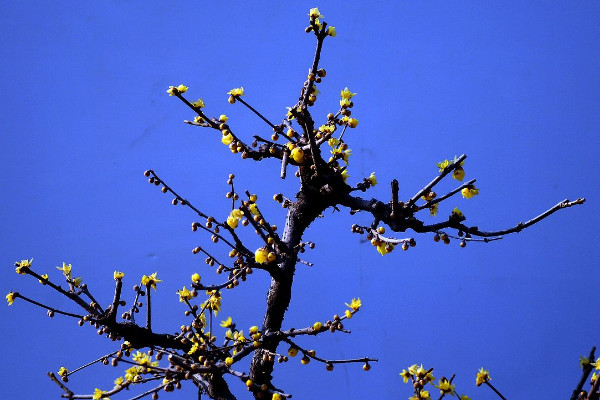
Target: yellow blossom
column 227, row 139
column 223, row 118
column 583, row 361
column 331, row 31
column 354, row 304
column 194, row 348
column 372, row 179
column 317, row 326
column 118, row 275
column 232, row 222
column 182, row 88
column 198, row 103
column 63, row 371
column 333, row 142
column 457, row 213
column 253, row 209
column 597, row 364
column 236, row 91
column 184, row 294
column 227, row 323
column 469, row 192
column 118, row 381
column 151, row 280
column 384, row 248
column 77, row 281
column 458, row 173
column 297, row 154
column 352, row 122
column 445, row 387
column 260, row 255
column 98, row 394
column 198, row 119
column 482, row 377
column 276, row 396
column 348, row 314
column 179, row 89
column 405, row 375
column 314, row 13
column 66, row 270
column 228, row 361
column 347, row 94
column 464, row 397
column 214, row 301
column 22, row 265
column 196, row 278
column 253, row 330
column 131, row 374
column 442, row 165
column 345, row 175
column 346, row 155
column 10, row 298
column 345, row 103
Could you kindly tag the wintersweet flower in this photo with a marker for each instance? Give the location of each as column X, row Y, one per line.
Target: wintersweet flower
column 228, row 361
column 23, row 265
column 445, row 387
column 405, row 375
column 184, row 294
column 98, row 394
column 355, row 304
column 457, row 213
column 469, row 192
column 198, row 103
column 297, row 154
column 372, row 179
column 118, row 381
column 223, row 118
column 66, row 270
column 314, row 13
column 62, row 371
column 227, row 323
column 196, row 278
column 352, row 122
column 347, row 94
column 458, row 173
column 10, row 298
column 179, row 89
column 151, row 280
column 236, row 91
column 331, row 31
column 345, row 175
column 227, row 139
column 482, row 377
column 118, row 275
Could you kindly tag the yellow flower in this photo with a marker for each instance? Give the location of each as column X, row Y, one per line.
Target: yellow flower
column 151, row 280
column 236, row 91
column 276, row 396
column 442, row 165
column 464, row 397
column 22, row 265
column 223, row 118
column 253, row 330
column 458, row 173
column 347, row 94
column 260, row 255
column 297, row 154
column 583, row 361
column 227, row 323
column 118, row 381
column 77, row 281
column 469, row 192
column 253, row 209
column 482, row 377
column 433, row 210
column 118, row 275
column 182, row 88
column 317, row 326
column 214, row 301
column 184, row 294
column 63, row 371
column 354, row 304
column 348, row 314
column 98, row 394
column 445, row 387
column 333, row 142
column 131, row 374
column 331, row 31
column 196, row 278
column 179, row 89
column 198, row 103
column 227, row 139
column 345, row 175
column 457, row 213
column 384, row 248
column 66, row 270
column 194, row 348
column 597, row 364
column 405, row 375
column 346, row 155
column 10, row 298
column 198, row 119
column 424, row 394
column 345, row 103
column 232, row 222
column 228, row 361
column 372, row 179
column 314, row 13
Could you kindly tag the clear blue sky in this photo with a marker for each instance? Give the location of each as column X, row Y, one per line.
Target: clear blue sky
column 514, row 85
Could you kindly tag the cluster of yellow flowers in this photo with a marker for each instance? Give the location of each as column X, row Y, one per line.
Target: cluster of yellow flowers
column 421, row 377
column 213, row 303
column 234, row 94
column 482, row 377
column 174, row 90
column 315, row 15
column 458, row 173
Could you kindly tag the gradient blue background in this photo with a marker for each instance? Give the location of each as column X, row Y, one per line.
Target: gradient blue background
column 513, row 85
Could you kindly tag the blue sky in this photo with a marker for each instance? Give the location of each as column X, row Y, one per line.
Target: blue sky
column 513, row 85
